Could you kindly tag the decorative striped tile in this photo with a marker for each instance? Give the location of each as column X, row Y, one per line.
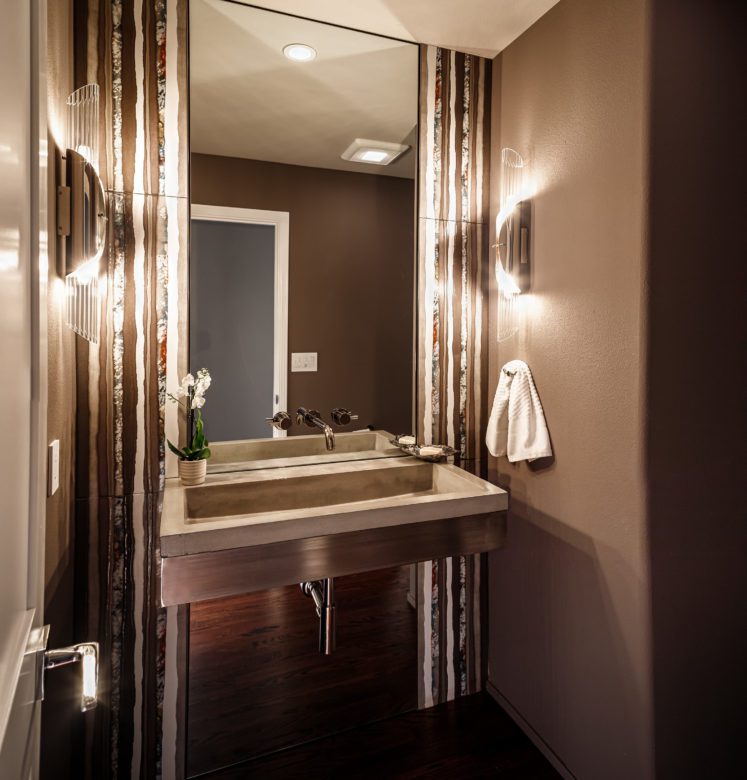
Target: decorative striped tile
column 452, row 348
column 136, row 51
column 121, row 403
column 454, row 135
column 118, row 547
column 452, row 343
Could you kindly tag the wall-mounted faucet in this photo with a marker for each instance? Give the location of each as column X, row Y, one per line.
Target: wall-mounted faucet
column 342, row 416
column 313, row 420
column 280, row 420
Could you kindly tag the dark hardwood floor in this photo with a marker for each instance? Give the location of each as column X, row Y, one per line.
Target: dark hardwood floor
column 257, row 682
column 467, row 738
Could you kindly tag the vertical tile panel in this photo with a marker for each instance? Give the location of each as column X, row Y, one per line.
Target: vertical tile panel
column 451, row 356
column 135, row 50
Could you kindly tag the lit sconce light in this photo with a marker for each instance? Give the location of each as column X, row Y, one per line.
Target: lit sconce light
column 512, row 227
column 81, row 213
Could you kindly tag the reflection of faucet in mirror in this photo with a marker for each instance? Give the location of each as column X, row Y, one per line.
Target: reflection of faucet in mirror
column 342, row 416
column 313, row 420
column 280, row 420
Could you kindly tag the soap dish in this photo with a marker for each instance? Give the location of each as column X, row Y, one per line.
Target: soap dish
column 425, row 451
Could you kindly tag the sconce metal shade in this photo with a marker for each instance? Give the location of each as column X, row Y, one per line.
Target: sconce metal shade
column 81, row 208
column 512, row 241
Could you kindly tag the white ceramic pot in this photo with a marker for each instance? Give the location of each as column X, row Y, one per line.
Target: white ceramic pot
column 192, row 472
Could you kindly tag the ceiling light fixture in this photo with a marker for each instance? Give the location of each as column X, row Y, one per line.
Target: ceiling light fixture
column 373, row 156
column 375, row 152
column 299, row 52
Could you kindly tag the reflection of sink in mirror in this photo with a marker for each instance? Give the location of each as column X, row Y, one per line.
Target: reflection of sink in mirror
column 251, row 454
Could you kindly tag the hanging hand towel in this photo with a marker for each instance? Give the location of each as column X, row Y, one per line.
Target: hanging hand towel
column 517, row 425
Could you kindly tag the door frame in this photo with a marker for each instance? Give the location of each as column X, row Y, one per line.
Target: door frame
column 280, row 220
column 20, row 711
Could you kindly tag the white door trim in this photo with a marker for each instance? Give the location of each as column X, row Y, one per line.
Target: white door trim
column 280, row 220
column 26, row 259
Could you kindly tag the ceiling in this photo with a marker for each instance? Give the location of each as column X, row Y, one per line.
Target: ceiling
column 483, row 27
column 248, row 100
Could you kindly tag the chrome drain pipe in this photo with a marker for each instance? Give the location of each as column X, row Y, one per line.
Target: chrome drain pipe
column 323, row 593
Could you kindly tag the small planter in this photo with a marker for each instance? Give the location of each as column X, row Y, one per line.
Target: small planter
column 192, row 472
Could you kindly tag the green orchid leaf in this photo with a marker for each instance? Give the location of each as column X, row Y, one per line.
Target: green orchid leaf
column 179, row 453
column 199, row 438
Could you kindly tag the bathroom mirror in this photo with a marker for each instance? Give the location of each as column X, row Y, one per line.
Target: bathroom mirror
column 303, row 151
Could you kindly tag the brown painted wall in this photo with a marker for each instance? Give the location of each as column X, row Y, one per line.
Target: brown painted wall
column 697, row 410
column 351, row 275
column 569, row 595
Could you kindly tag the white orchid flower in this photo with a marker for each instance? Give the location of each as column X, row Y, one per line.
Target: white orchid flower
column 203, row 382
column 183, row 388
column 198, row 401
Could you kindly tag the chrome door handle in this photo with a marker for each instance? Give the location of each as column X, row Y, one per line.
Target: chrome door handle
column 85, row 653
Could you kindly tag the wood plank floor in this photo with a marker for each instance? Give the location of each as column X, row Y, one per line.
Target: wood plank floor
column 257, row 682
column 467, row 738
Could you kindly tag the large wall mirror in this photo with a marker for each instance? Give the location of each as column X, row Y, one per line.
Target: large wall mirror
column 303, row 140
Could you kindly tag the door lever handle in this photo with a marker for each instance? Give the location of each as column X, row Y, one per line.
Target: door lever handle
column 85, row 653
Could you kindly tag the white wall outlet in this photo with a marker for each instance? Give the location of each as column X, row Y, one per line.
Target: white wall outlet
column 53, row 467
column 303, row 361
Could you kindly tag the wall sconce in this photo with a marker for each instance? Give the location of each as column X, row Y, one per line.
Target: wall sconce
column 512, row 231
column 81, row 214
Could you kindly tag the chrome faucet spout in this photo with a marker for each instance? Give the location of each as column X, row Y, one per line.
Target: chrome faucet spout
column 313, row 420
column 329, row 438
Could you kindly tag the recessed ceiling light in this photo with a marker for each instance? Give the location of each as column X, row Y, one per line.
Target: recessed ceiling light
column 375, row 152
column 299, row 52
column 373, row 156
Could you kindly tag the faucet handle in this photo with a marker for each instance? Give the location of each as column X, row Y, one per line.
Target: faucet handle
column 343, row 416
column 304, row 415
column 280, row 420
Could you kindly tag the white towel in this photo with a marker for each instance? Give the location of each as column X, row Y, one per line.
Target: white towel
column 517, row 425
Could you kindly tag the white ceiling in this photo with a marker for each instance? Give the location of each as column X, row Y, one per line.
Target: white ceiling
column 483, row 27
column 247, row 100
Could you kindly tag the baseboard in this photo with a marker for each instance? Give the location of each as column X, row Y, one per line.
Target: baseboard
column 539, row 743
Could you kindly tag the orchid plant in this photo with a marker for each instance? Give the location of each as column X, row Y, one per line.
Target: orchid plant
column 191, row 392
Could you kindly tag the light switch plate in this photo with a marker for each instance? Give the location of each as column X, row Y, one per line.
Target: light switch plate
column 53, row 467
column 303, row 361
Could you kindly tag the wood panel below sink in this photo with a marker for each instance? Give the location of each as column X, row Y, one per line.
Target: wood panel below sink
column 209, row 575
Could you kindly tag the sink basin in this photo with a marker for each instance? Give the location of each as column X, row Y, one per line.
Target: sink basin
column 261, row 507
column 290, row 492
column 282, row 493
column 251, row 454
column 257, row 529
